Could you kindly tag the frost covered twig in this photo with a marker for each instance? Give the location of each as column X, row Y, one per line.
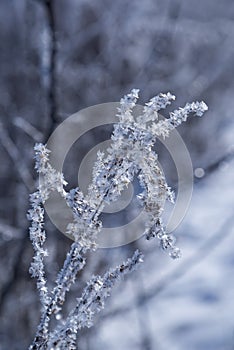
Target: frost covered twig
column 130, row 154
column 90, row 303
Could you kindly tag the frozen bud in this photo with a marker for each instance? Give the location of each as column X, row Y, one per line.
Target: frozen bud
column 167, row 241
column 152, row 233
column 200, row 108
column 175, row 253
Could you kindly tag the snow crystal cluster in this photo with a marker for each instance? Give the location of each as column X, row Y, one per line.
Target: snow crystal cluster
column 130, row 154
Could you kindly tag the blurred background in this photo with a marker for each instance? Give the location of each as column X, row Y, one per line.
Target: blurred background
column 58, row 57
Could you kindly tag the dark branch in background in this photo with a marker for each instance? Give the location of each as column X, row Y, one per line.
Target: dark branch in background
column 28, row 182
column 52, row 64
column 216, row 165
column 17, row 266
column 16, row 158
column 52, row 69
column 202, row 252
column 28, row 128
column 13, row 151
column 211, row 168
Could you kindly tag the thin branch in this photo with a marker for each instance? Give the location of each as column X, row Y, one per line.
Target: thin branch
column 9, row 285
column 28, row 128
column 16, row 158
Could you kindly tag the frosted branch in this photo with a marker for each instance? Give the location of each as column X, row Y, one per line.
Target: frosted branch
column 90, row 303
column 130, row 154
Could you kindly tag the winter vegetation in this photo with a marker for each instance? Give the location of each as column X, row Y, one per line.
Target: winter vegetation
column 58, row 57
column 130, row 154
